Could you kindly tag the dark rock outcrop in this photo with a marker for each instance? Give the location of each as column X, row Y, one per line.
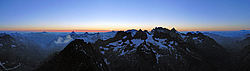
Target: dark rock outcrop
column 160, row 32
column 244, row 64
column 140, row 35
column 9, row 59
column 6, row 41
column 245, row 42
column 77, row 56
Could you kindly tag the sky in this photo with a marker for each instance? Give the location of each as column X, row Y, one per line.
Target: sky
column 107, row 15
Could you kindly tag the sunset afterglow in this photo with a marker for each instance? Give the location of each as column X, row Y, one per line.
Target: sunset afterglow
column 115, row 15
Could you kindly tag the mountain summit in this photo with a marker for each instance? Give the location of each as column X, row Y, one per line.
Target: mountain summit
column 159, row 50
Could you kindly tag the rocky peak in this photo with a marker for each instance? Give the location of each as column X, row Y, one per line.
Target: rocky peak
column 245, row 42
column 173, row 30
column 160, row 29
column 160, row 32
column 120, row 34
column 132, row 30
column 7, row 41
column 76, row 56
column 6, row 37
column 86, row 33
column 73, row 33
column 140, row 35
column 159, row 50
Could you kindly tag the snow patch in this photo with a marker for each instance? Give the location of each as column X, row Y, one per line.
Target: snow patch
column 183, row 36
column 137, row 42
column 171, row 42
column 151, row 40
column 161, row 40
column 102, row 52
column 157, row 57
column 195, row 38
column 115, row 43
column 124, row 37
column 13, row 46
column 127, row 42
column 106, row 49
column 106, row 61
column 188, row 50
column 9, row 69
column 107, row 35
column 123, row 53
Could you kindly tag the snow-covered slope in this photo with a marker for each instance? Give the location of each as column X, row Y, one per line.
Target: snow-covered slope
column 136, row 50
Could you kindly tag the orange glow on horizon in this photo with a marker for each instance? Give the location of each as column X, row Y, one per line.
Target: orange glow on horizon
column 59, row 30
column 113, row 30
column 117, row 29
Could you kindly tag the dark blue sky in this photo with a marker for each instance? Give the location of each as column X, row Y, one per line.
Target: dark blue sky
column 185, row 15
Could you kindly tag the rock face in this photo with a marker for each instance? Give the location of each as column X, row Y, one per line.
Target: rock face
column 6, row 41
column 140, row 35
column 160, row 32
column 77, row 56
column 210, row 51
column 159, row 50
column 8, row 58
column 244, row 65
column 245, row 42
column 245, row 60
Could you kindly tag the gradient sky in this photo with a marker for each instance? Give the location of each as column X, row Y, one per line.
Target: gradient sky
column 102, row 15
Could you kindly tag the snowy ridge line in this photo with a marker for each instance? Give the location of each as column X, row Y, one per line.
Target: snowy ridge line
column 8, row 69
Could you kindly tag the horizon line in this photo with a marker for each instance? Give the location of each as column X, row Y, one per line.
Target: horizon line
column 95, row 30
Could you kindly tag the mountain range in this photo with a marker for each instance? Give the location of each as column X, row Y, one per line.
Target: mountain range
column 160, row 49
